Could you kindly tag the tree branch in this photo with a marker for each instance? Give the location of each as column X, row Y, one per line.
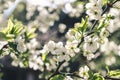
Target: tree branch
column 104, row 11
column 57, row 70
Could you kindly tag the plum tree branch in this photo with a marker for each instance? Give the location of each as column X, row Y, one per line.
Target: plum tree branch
column 107, row 7
column 57, row 70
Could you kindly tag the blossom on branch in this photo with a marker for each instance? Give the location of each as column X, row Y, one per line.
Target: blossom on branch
column 94, row 9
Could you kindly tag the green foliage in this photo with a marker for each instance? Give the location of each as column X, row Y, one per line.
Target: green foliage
column 104, row 2
column 114, row 73
column 44, row 56
column 97, row 76
column 29, row 34
column 57, row 77
column 81, row 27
column 12, row 30
column 105, row 22
column 16, row 29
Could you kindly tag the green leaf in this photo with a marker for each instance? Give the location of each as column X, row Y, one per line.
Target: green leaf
column 10, row 37
column 18, row 27
column 114, row 73
column 85, row 24
column 44, row 56
column 107, row 68
column 97, row 77
column 12, row 30
column 90, row 74
column 105, row 22
column 9, row 27
column 104, row 2
column 81, row 27
column 57, row 77
column 30, row 33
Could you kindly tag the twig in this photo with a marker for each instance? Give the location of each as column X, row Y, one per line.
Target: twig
column 57, row 70
column 104, row 11
column 96, row 21
column 75, row 74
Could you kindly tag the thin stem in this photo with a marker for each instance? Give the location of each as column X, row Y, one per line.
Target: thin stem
column 57, row 70
column 96, row 21
column 75, row 74
column 115, row 1
column 82, row 39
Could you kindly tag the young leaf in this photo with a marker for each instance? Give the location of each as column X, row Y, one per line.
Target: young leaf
column 97, row 77
column 81, row 27
column 57, row 77
column 114, row 73
column 9, row 27
column 30, row 33
column 18, row 27
column 44, row 56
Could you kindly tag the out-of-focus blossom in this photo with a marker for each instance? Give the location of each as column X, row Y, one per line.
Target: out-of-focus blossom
column 114, row 24
column 36, row 62
column 110, row 60
column 89, row 55
column 109, row 47
column 62, row 28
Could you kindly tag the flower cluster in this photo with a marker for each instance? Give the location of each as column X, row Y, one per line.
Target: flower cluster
column 94, row 9
column 62, row 53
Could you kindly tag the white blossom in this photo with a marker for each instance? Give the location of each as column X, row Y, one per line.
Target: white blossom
column 62, row 28
column 21, row 47
column 72, row 48
column 89, row 55
column 91, row 43
column 83, row 72
column 104, row 33
column 35, row 44
column 110, row 60
column 94, row 9
column 35, row 62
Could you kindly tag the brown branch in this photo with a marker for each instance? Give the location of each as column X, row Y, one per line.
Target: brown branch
column 57, row 70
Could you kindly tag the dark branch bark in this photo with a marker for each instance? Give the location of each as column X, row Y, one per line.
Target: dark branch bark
column 57, row 70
